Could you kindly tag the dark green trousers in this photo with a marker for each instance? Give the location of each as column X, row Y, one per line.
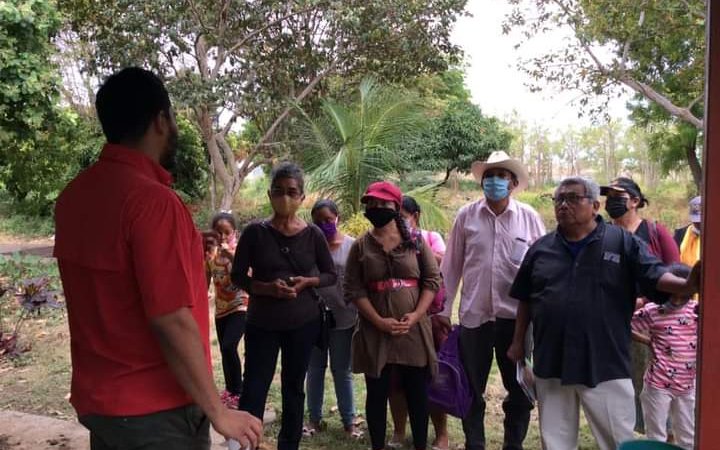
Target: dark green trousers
column 184, row 428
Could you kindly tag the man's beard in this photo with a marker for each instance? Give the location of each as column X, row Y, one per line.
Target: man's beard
column 169, row 157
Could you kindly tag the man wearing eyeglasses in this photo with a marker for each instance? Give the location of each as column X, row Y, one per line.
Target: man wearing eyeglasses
column 578, row 286
column 485, row 249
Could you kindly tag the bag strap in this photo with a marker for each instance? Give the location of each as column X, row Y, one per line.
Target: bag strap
column 418, row 244
column 654, row 229
column 612, row 239
column 285, row 250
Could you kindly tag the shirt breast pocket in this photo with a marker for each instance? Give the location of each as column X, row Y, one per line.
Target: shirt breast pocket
column 611, row 261
column 518, row 249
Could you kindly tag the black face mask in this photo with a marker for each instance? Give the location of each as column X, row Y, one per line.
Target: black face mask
column 380, row 217
column 616, row 207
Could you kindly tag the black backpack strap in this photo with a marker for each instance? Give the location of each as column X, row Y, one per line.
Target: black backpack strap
column 612, row 240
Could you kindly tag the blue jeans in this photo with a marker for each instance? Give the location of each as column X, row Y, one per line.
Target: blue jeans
column 340, row 366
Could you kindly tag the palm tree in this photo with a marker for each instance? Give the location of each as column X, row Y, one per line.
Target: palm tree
column 352, row 145
column 433, row 217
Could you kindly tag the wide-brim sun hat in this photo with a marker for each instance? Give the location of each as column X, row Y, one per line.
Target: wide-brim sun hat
column 383, row 190
column 696, row 210
column 500, row 159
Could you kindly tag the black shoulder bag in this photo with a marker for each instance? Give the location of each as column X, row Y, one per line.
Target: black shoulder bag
column 327, row 319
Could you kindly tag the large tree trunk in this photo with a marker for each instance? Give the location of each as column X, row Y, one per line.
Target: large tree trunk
column 448, row 171
column 213, row 189
column 694, row 163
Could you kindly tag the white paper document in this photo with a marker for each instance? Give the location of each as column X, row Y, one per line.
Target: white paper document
column 526, row 379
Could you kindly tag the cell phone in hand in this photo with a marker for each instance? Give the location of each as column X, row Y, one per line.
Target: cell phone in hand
column 235, row 445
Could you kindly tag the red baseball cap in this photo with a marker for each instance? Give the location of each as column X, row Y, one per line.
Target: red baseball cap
column 383, row 190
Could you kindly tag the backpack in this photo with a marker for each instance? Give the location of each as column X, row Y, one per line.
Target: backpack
column 450, row 390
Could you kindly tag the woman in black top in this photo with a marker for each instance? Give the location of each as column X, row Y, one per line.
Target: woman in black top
column 287, row 259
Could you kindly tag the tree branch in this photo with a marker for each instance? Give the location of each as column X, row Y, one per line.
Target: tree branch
column 305, row 92
column 695, row 101
column 197, row 15
column 230, row 158
column 201, row 56
column 229, row 124
column 626, row 49
column 601, row 67
column 641, row 88
column 221, row 26
column 254, row 33
column 204, row 120
column 662, row 101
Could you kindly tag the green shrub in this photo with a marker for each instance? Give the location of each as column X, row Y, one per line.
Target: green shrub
column 355, row 225
column 191, row 171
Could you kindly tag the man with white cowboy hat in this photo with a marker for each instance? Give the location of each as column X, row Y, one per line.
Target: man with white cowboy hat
column 487, row 243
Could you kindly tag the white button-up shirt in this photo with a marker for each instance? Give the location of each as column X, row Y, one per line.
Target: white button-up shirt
column 484, row 252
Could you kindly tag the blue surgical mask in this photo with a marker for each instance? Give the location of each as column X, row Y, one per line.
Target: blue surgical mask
column 496, row 188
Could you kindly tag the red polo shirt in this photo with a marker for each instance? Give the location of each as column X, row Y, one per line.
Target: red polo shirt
column 128, row 251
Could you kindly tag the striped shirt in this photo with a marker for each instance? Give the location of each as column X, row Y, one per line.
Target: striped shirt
column 673, row 339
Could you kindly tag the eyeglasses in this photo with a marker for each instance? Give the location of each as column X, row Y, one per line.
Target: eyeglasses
column 279, row 192
column 570, row 198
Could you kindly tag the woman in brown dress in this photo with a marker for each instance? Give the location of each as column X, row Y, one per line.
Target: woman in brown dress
column 392, row 278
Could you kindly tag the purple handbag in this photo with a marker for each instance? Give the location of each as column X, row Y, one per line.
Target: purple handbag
column 450, row 390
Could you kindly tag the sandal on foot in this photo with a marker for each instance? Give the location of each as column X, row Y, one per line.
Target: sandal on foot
column 354, row 433
column 311, row 429
column 358, row 420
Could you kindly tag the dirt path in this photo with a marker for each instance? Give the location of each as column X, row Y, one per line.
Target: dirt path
column 20, row 431
column 38, row 247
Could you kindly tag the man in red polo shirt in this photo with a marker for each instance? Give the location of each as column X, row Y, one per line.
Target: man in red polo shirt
column 131, row 264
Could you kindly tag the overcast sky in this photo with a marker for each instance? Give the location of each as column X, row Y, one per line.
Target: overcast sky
column 497, row 85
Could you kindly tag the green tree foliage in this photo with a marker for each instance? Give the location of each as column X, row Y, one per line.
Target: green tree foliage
column 656, row 49
column 672, row 145
column 459, row 136
column 39, row 168
column 32, row 153
column 191, row 172
column 352, row 145
column 42, row 145
column 255, row 60
column 440, row 89
column 28, row 81
column 433, row 216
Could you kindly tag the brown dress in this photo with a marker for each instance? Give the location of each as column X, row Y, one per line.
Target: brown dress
column 372, row 349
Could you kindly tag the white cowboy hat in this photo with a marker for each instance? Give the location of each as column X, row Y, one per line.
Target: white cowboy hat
column 501, row 159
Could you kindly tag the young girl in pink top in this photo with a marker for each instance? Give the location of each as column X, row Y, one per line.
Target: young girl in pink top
column 671, row 332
